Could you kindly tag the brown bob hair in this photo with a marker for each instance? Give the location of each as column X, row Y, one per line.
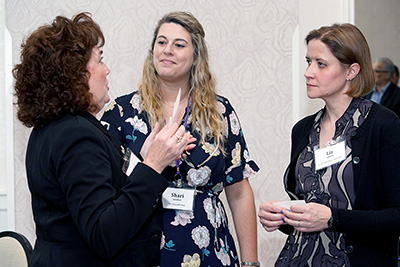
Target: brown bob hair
column 347, row 43
column 52, row 78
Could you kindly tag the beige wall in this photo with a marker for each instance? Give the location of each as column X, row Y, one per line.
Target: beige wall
column 3, row 182
column 322, row 13
column 380, row 23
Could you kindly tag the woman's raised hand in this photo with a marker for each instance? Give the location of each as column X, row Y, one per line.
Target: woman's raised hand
column 166, row 145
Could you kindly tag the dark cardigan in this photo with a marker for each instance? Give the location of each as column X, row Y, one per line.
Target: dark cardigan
column 372, row 228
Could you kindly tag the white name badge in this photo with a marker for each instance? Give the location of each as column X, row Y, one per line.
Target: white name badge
column 330, row 155
column 178, row 198
column 287, row 204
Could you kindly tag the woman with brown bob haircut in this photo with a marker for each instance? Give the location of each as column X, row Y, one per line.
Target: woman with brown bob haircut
column 92, row 206
column 344, row 164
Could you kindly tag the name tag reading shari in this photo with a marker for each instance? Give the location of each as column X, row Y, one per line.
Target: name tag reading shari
column 178, row 198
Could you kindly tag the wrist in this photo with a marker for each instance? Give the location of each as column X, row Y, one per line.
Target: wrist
column 153, row 166
column 250, row 263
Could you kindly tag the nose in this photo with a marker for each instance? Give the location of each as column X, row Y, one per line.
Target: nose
column 107, row 69
column 168, row 49
column 309, row 72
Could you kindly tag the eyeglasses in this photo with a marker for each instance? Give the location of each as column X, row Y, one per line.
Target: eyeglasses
column 381, row 71
column 190, row 162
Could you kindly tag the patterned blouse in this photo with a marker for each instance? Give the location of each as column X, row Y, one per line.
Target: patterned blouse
column 332, row 186
column 199, row 237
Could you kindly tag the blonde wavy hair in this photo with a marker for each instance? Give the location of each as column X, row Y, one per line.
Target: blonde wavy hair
column 206, row 116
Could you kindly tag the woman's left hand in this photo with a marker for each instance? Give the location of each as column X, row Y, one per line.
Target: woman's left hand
column 311, row 217
column 150, row 138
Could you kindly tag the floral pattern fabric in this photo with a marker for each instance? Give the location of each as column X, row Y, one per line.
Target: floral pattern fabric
column 199, row 237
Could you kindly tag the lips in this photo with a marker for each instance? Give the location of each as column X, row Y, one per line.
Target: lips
column 167, row 61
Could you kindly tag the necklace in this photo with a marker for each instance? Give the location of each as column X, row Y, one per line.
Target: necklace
column 171, row 105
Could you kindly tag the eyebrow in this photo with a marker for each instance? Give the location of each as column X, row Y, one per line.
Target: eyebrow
column 317, row 59
column 175, row 40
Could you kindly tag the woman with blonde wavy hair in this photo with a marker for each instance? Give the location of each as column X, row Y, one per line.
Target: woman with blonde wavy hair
column 177, row 85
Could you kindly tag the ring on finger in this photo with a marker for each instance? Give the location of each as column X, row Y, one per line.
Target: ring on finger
column 298, row 223
column 179, row 138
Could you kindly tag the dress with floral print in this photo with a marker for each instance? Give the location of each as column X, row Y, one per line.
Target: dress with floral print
column 200, row 237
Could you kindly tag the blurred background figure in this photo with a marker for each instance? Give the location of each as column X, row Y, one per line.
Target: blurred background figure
column 385, row 91
column 395, row 77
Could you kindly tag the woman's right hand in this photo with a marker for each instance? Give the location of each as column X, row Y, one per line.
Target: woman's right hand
column 271, row 216
column 166, row 145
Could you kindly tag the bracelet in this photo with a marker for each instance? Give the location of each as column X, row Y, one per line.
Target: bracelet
column 246, row 263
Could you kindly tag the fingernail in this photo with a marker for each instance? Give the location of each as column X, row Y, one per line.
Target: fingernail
column 283, row 219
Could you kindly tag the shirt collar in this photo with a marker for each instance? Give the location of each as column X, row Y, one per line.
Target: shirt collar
column 383, row 89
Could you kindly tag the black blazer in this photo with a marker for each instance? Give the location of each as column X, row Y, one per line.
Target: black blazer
column 87, row 211
column 391, row 98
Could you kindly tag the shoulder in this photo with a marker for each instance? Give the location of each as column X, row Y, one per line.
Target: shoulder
column 305, row 123
column 381, row 114
column 123, row 100
column 224, row 105
column 69, row 132
column 393, row 92
column 380, row 120
column 222, row 99
column 72, row 126
column 117, row 106
column 67, row 122
column 126, row 99
column 394, row 87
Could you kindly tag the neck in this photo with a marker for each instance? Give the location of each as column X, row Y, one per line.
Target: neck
column 94, row 113
column 169, row 94
column 168, row 105
column 336, row 108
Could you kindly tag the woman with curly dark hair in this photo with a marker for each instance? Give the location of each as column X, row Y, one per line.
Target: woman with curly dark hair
column 91, row 204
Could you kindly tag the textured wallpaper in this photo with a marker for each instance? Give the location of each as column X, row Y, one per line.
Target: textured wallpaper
column 250, row 51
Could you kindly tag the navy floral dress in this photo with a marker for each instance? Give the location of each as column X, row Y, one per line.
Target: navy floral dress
column 199, row 237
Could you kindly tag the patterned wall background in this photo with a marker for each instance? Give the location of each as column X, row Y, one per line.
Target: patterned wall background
column 250, row 52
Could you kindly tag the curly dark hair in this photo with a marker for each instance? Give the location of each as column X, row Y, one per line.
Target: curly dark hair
column 52, row 78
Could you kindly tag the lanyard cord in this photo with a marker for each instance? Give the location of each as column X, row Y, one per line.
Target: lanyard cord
column 186, row 120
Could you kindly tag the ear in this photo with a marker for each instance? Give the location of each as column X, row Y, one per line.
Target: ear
column 352, row 72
